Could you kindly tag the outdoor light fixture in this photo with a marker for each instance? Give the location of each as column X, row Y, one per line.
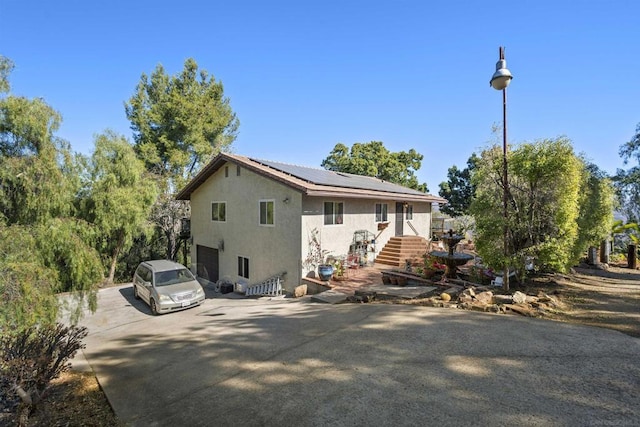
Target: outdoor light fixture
column 499, row 81
column 502, row 77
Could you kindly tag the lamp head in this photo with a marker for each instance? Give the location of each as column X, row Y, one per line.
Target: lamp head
column 502, row 77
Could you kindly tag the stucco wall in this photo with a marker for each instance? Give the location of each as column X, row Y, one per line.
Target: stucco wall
column 270, row 249
column 284, row 246
column 359, row 214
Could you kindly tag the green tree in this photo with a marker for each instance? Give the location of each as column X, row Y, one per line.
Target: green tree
column 120, row 196
column 38, row 173
column 44, row 248
column 6, row 66
column 373, row 159
column 627, row 182
column 546, row 181
column 459, row 189
column 597, row 202
column 179, row 122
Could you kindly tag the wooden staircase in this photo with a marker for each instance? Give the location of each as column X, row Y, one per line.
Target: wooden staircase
column 398, row 249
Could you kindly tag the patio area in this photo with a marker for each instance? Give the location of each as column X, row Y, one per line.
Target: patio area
column 369, row 280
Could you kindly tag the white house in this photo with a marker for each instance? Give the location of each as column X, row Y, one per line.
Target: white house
column 253, row 219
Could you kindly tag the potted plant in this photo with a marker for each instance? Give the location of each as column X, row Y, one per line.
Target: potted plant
column 431, row 266
column 338, row 269
column 316, row 257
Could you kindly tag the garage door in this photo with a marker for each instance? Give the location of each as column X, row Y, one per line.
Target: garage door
column 207, row 263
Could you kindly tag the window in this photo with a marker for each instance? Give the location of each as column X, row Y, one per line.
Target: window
column 219, row 211
column 226, row 171
column 238, row 170
column 243, row 267
column 267, row 212
column 144, row 274
column 333, row 213
column 409, row 214
column 381, row 212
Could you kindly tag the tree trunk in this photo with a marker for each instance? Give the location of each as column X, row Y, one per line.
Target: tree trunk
column 171, row 245
column 604, row 251
column 114, row 258
column 632, row 260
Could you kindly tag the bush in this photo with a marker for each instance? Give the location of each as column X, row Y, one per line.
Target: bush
column 29, row 360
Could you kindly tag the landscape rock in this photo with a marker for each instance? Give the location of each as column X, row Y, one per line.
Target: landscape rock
column 494, row 308
column 485, row 297
column 478, row 307
column 445, row 297
column 502, row 299
column 454, row 291
column 464, row 305
column 300, row 291
column 524, row 310
column 519, row 298
column 465, row 298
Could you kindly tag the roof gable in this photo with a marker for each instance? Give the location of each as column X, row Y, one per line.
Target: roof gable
column 311, row 181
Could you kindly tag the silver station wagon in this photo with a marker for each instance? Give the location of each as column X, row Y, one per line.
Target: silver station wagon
column 166, row 286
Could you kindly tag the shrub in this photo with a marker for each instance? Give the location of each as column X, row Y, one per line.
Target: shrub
column 30, row 359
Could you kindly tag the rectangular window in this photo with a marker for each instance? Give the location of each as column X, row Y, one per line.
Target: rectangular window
column 219, row 211
column 333, row 213
column 238, row 170
column 226, row 171
column 409, row 211
column 243, row 267
column 381, row 212
column 267, row 212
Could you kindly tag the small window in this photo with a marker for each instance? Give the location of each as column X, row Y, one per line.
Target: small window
column 243, row 267
column 144, row 274
column 226, row 171
column 409, row 213
column 267, row 212
column 333, row 213
column 381, row 212
column 218, row 211
column 238, row 170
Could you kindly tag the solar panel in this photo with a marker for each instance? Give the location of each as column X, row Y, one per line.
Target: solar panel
column 337, row 179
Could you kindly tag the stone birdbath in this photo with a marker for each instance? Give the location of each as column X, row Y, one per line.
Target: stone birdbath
column 451, row 258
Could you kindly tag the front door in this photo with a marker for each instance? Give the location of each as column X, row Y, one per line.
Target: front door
column 399, row 219
column 207, row 265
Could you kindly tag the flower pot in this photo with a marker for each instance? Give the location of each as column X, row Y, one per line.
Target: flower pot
column 428, row 274
column 325, row 271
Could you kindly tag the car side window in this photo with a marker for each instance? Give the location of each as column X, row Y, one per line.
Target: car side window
column 144, row 274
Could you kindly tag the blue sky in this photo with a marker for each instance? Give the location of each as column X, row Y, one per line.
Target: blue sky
column 305, row 75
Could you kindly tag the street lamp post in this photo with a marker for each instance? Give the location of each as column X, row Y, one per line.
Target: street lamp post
column 499, row 81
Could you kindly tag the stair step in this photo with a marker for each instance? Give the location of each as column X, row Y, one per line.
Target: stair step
column 399, row 249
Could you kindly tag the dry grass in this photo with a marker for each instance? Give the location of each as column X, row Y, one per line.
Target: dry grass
column 75, row 399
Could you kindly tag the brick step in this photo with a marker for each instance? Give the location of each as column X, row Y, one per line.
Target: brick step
column 399, row 249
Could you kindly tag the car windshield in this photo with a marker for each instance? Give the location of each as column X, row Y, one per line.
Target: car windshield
column 172, row 277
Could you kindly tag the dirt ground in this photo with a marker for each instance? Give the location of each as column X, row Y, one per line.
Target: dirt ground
column 603, row 298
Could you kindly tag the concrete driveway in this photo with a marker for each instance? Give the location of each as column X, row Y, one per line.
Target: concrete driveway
column 285, row 362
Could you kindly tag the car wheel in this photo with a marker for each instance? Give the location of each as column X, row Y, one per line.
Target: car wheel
column 136, row 295
column 154, row 308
